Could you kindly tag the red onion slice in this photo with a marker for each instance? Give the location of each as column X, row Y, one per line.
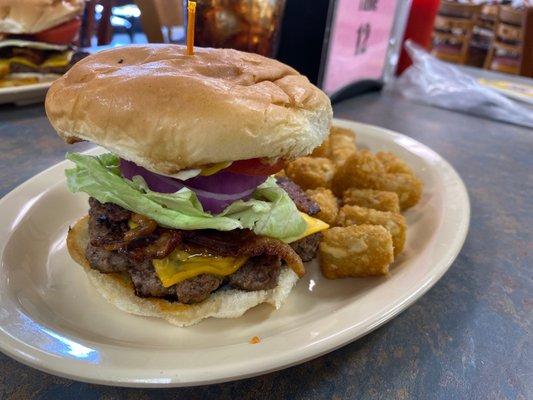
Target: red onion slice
column 225, row 182
column 215, row 192
column 156, row 182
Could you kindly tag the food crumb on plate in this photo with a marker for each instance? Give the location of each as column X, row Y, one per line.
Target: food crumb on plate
column 255, row 340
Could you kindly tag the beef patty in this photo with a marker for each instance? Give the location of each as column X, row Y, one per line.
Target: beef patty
column 307, row 247
column 193, row 290
column 109, row 222
column 258, row 273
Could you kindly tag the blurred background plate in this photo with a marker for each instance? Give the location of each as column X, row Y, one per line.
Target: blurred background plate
column 26, row 94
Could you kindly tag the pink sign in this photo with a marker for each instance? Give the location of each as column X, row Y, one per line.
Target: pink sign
column 358, row 43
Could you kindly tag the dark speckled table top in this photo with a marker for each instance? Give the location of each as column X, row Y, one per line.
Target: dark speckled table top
column 469, row 337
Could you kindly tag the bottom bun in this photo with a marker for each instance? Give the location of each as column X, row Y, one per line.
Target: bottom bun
column 118, row 290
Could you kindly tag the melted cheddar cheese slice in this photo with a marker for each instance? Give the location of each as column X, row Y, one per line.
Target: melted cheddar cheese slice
column 181, row 265
column 314, row 225
column 213, row 169
column 56, row 60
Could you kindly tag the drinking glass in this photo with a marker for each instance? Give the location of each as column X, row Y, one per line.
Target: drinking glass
column 248, row 25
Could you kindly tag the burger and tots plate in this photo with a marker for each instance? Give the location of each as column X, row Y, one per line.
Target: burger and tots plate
column 52, row 319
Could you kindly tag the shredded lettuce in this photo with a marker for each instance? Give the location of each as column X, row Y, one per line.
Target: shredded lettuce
column 269, row 212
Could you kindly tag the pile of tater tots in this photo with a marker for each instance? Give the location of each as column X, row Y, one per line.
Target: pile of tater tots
column 361, row 196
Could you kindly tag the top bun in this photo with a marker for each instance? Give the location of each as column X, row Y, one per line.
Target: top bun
column 32, row 16
column 167, row 111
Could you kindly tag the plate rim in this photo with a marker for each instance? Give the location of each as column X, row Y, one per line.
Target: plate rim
column 25, row 88
column 8, row 345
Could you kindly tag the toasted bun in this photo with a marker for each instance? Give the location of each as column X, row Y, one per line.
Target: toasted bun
column 32, row 16
column 118, row 290
column 167, row 111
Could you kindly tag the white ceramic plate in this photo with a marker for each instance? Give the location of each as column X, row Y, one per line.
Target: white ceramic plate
column 53, row 320
column 27, row 94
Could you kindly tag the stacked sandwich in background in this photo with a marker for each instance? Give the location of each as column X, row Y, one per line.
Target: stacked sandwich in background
column 36, row 39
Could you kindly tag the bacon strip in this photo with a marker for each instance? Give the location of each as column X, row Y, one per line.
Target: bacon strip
column 273, row 247
column 145, row 227
column 244, row 243
column 164, row 245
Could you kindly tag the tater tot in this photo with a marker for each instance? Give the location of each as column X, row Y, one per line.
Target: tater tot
column 370, row 198
column 323, row 150
column 329, row 206
column 393, row 222
column 341, row 144
column 393, row 164
column 310, row 173
column 356, row 251
column 360, row 170
column 408, row 188
column 363, row 170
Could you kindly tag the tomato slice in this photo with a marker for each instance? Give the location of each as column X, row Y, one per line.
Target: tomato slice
column 255, row 167
column 61, row 34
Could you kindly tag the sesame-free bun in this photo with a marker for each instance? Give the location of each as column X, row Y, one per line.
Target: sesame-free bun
column 167, row 111
column 32, row 16
column 118, row 290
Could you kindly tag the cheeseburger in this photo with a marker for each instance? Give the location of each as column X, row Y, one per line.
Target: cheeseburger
column 186, row 218
column 36, row 39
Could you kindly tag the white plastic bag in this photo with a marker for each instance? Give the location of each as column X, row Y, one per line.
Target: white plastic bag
column 441, row 84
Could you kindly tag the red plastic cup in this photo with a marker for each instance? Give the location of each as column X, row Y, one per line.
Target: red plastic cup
column 419, row 28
